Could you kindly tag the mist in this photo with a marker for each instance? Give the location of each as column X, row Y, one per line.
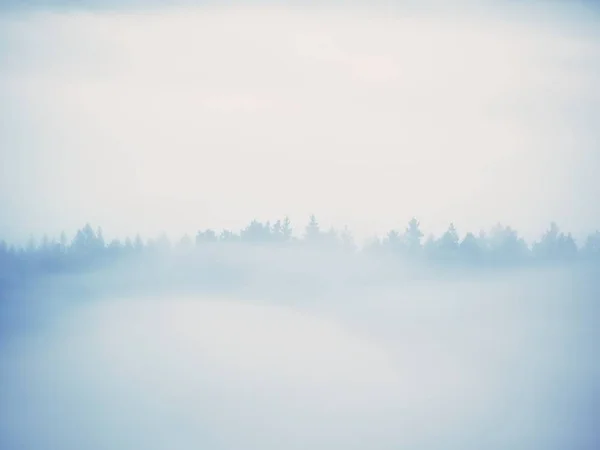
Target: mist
column 324, row 351
column 158, row 287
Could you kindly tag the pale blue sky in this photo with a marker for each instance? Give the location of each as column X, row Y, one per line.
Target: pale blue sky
column 190, row 117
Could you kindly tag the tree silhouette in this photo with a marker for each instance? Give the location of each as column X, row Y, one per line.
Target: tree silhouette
column 88, row 249
column 413, row 236
column 185, row 244
column 393, row 242
column 286, row 229
column 591, row 247
column 471, row 249
column 347, row 240
column 256, row 232
column 555, row 245
column 138, row 244
column 203, row 237
column 447, row 246
column 312, row 232
column 506, row 245
column 225, row 236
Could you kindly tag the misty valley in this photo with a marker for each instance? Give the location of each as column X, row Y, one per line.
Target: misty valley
column 324, row 225
column 299, row 342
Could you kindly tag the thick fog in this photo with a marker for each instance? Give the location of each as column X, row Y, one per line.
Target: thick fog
column 323, row 351
column 170, row 117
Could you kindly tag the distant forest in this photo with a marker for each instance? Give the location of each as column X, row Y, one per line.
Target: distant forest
column 88, row 250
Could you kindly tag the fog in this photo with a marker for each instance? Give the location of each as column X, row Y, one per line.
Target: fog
column 187, row 117
column 433, row 360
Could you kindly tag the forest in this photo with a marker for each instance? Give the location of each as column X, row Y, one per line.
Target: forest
column 88, row 250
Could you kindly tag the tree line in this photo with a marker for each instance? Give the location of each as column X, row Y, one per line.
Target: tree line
column 502, row 245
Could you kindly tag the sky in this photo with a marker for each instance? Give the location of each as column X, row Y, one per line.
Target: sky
column 181, row 116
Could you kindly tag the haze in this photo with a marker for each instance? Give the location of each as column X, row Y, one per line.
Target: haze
column 183, row 146
column 505, row 360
